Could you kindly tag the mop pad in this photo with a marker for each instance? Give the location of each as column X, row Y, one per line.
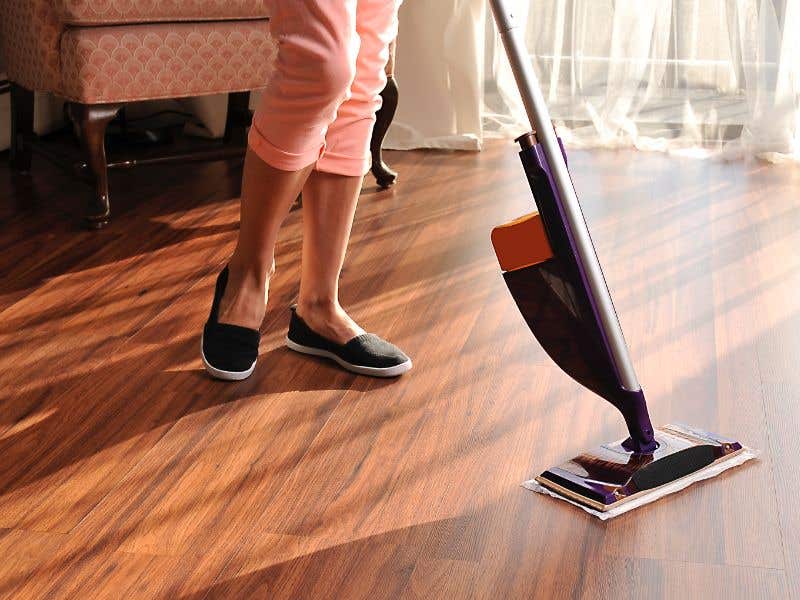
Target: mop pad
column 736, row 456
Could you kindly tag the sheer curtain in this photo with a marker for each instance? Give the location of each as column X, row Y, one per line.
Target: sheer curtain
column 698, row 77
column 440, row 71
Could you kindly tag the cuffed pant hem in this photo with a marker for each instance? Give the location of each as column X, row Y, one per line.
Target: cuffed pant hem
column 278, row 158
column 338, row 164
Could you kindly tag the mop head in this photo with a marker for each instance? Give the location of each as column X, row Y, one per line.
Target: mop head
column 609, row 480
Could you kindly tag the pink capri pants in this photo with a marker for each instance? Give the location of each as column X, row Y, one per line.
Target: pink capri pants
column 319, row 107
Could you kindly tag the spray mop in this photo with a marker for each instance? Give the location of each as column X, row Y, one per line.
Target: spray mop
column 551, row 268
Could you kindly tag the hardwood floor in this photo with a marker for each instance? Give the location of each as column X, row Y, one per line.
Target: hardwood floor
column 126, row 473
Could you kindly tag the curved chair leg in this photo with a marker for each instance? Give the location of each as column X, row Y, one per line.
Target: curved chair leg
column 22, row 104
column 91, row 121
column 385, row 176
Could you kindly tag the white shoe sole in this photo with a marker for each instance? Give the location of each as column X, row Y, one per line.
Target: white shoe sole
column 370, row 371
column 225, row 375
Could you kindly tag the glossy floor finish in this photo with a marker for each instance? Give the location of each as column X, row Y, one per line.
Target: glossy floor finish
column 125, row 472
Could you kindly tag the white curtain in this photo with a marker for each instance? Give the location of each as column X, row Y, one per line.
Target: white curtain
column 439, row 67
column 698, row 77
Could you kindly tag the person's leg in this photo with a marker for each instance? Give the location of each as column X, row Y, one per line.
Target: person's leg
column 329, row 204
column 331, row 191
column 267, row 195
column 314, row 70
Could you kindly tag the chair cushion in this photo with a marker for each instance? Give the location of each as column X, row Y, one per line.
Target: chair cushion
column 125, row 12
column 145, row 62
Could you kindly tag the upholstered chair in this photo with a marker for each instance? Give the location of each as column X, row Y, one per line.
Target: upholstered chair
column 101, row 54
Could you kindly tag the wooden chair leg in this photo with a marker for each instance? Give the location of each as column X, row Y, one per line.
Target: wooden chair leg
column 22, row 105
column 91, row 121
column 385, row 176
column 239, row 118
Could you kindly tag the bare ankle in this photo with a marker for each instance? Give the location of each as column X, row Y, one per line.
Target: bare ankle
column 245, row 299
column 326, row 317
column 252, row 272
column 317, row 306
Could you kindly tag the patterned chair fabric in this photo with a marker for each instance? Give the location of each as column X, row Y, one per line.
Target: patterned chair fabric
column 127, row 12
column 130, row 62
column 124, row 63
column 30, row 34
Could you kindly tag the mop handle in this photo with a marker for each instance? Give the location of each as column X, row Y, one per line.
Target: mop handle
column 539, row 117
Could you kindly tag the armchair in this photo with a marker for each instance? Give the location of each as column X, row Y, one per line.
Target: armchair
column 101, row 54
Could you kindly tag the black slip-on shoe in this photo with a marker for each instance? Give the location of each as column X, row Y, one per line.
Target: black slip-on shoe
column 366, row 354
column 229, row 351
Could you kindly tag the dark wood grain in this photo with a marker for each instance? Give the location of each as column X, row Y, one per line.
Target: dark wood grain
column 126, row 473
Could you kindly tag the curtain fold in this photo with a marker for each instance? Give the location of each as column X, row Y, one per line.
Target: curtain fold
column 439, row 69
